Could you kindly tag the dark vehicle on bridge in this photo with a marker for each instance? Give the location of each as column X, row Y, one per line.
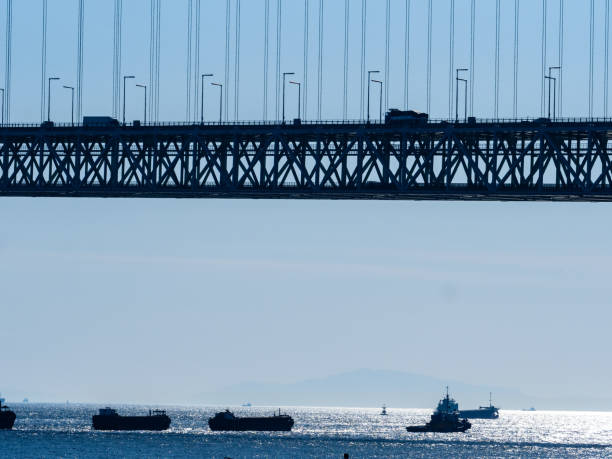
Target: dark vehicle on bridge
column 108, row 419
column 227, row 421
column 395, row 117
column 7, row 417
column 444, row 419
column 99, row 121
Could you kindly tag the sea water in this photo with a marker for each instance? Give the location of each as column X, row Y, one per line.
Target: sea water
column 65, row 430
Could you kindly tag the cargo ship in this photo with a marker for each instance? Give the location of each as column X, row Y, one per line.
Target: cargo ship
column 109, row 419
column 7, row 417
column 227, row 421
column 483, row 412
column 444, row 419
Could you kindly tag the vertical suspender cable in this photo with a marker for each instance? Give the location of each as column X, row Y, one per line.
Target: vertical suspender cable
column 306, row 49
column 266, row 58
column 115, row 17
column 606, row 56
column 591, row 56
column 189, row 58
column 151, row 56
column 407, row 55
column 227, row 56
column 387, row 46
column 43, row 63
column 543, row 69
column 196, row 62
column 472, row 56
column 451, row 59
column 80, row 40
column 429, row 26
column 9, row 59
column 117, row 58
column 497, row 31
column 279, row 32
column 237, row 64
column 346, row 58
column 320, row 65
column 516, row 59
column 561, row 38
column 363, row 58
column 158, row 60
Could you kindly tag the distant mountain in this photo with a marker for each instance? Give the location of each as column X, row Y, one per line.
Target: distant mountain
column 372, row 388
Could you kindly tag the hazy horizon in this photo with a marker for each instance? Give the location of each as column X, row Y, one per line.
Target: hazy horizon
column 153, row 300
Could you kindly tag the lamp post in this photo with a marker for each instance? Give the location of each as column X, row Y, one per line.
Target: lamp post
column 457, row 79
column 72, row 104
column 49, row 98
column 144, row 86
column 220, row 86
column 370, row 72
column 204, row 75
column 284, row 76
column 125, row 77
column 2, row 121
column 465, row 102
column 550, row 69
column 380, row 102
column 299, row 85
column 549, row 78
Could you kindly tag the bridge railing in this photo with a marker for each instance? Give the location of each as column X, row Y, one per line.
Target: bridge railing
column 462, row 122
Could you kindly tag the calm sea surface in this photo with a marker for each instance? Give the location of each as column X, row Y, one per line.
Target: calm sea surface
column 58, row 430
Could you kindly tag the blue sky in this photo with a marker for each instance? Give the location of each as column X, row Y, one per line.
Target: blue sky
column 62, row 47
column 160, row 300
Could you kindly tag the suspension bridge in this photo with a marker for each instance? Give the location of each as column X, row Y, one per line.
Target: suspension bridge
column 458, row 158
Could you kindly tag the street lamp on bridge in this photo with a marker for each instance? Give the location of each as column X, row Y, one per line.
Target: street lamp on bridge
column 299, row 85
column 284, row 76
column 204, row 75
column 49, row 98
column 457, row 80
column 2, row 121
column 220, row 86
column 144, row 86
column 71, row 104
column 125, row 77
column 380, row 101
column 549, row 78
column 370, row 72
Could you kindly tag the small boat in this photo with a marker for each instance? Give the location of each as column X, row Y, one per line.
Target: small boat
column 109, row 419
column 483, row 412
column 529, row 409
column 7, row 417
column 444, row 419
column 384, row 411
column 246, row 405
column 227, row 421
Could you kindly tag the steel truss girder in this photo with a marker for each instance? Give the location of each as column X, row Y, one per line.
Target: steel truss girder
column 511, row 161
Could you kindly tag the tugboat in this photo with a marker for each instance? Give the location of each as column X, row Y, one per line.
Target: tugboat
column 444, row 419
column 108, row 419
column 483, row 412
column 384, row 411
column 7, row 417
column 227, row 421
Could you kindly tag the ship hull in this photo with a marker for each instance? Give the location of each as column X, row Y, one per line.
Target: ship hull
column 154, row 423
column 449, row 429
column 484, row 413
column 7, row 420
column 275, row 424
